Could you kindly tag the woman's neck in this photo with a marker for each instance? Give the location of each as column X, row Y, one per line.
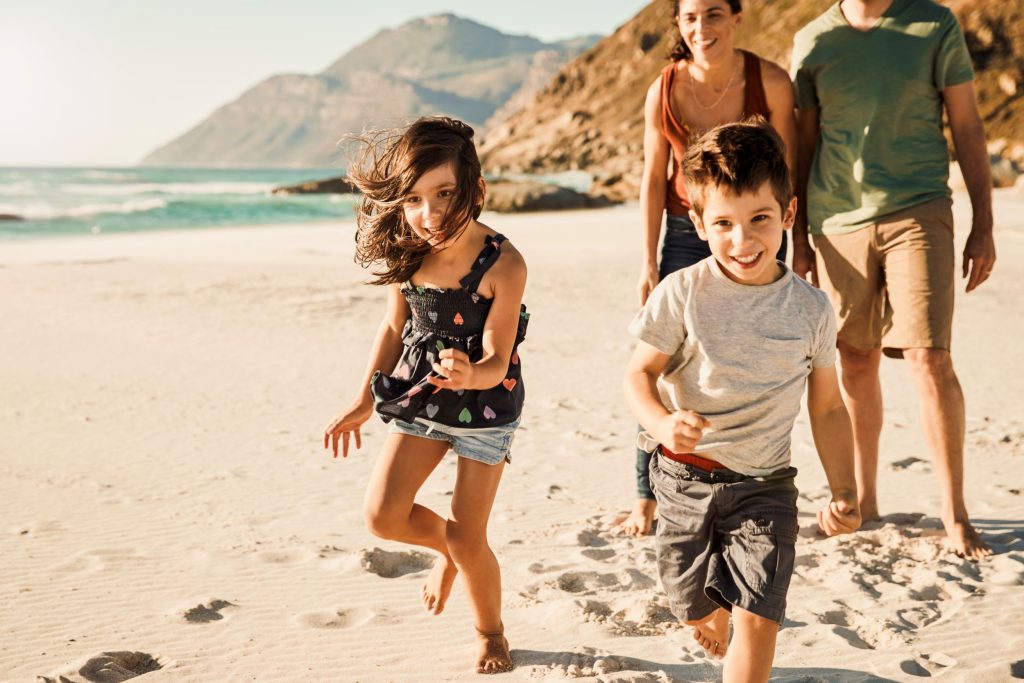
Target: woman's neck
column 716, row 74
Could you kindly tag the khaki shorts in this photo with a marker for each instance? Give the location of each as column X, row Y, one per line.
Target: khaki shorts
column 891, row 283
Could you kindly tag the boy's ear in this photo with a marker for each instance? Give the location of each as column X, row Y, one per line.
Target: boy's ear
column 698, row 223
column 789, row 216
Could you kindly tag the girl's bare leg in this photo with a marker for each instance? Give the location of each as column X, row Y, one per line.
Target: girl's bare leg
column 390, row 511
column 475, row 487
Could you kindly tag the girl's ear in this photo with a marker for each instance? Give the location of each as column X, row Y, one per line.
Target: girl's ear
column 698, row 223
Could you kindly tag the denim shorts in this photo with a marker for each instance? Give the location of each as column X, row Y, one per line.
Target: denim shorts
column 489, row 445
column 724, row 539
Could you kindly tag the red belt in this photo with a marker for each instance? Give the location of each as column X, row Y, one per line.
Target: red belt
column 705, row 464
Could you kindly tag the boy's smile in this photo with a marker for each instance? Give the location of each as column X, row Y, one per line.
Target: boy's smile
column 744, row 232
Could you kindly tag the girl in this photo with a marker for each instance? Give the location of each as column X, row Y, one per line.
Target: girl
column 708, row 82
column 444, row 369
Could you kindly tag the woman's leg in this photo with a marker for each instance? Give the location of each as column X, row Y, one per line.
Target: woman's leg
column 475, row 487
column 392, row 513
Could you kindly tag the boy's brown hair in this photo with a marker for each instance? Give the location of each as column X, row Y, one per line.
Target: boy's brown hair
column 738, row 157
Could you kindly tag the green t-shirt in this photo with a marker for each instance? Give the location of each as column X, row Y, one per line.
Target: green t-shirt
column 879, row 92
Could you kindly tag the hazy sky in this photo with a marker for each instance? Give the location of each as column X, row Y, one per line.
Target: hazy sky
column 104, row 82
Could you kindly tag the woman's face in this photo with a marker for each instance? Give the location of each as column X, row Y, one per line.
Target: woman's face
column 707, row 27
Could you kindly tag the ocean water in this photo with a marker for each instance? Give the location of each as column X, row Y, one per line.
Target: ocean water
column 82, row 201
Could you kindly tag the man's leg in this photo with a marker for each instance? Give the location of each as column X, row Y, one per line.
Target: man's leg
column 942, row 415
column 862, row 392
column 752, row 650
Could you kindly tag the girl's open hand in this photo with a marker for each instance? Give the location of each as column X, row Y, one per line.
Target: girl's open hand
column 455, row 369
column 347, row 423
column 842, row 516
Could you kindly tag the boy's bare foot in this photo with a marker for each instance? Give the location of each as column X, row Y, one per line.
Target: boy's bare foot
column 641, row 517
column 713, row 634
column 438, row 585
column 493, row 656
column 964, row 540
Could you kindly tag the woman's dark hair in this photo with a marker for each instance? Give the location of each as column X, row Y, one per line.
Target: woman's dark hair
column 387, row 168
column 680, row 50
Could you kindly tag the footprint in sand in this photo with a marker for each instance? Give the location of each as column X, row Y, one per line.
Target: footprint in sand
column 910, row 463
column 1017, row 669
column 286, row 556
column 114, row 667
column 203, row 614
column 338, row 619
column 391, row 565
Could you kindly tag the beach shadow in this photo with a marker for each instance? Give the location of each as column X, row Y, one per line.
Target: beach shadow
column 621, row 667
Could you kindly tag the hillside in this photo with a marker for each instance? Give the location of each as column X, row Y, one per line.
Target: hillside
column 447, row 65
column 590, row 116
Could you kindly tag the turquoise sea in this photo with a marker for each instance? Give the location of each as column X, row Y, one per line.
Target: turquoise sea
column 80, row 201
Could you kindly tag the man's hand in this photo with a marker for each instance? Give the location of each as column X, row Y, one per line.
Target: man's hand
column 680, row 431
column 804, row 264
column 842, row 516
column 979, row 257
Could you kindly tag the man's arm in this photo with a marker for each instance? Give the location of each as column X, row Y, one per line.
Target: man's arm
column 833, row 438
column 806, row 144
column 969, row 141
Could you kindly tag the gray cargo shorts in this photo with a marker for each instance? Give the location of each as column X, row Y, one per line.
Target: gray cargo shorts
column 724, row 539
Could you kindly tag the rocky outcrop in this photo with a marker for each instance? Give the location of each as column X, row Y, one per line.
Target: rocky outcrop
column 435, row 65
column 10, row 217
column 590, row 117
column 519, row 196
column 340, row 185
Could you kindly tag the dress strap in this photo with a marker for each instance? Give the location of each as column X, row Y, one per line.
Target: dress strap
column 484, row 260
column 755, row 100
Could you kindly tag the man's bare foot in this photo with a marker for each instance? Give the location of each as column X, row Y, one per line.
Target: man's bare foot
column 713, row 634
column 493, row 656
column 641, row 517
column 438, row 585
column 964, row 540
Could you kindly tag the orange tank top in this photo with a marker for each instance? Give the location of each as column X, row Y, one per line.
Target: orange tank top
column 677, row 133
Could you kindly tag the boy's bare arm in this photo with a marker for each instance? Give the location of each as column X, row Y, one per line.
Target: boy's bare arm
column 833, row 438
column 678, row 431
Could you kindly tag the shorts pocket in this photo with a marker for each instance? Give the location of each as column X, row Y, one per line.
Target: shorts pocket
column 769, row 550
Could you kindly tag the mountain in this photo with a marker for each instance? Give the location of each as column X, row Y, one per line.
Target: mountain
column 434, row 65
column 590, row 117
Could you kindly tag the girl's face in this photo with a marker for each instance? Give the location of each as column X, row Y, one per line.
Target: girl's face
column 707, row 27
column 426, row 204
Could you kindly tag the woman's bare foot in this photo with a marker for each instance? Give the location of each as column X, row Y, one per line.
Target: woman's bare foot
column 869, row 511
column 641, row 518
column 713, row 634
column 438, row 585
column 964, row 540
column 493, row 656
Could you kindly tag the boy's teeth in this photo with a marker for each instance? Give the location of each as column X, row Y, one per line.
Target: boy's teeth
column 746, row 259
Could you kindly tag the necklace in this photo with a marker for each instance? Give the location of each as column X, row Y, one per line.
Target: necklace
column 693, row 89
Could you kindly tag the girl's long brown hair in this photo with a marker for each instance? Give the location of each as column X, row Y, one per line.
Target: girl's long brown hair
column 680, row 50
column 390, row 163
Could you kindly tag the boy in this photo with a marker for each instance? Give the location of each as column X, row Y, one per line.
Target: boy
column 725, row 347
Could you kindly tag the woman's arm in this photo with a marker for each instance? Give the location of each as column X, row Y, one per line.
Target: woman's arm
column 508, row 277
column 384, row 355
column 778, row 90
column 653, row 188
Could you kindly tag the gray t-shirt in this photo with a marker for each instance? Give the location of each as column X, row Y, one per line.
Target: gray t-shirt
column 740, row 355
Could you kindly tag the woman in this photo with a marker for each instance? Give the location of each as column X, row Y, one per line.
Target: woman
column 708, row 82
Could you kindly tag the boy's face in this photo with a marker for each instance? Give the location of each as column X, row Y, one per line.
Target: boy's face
column 744, row 232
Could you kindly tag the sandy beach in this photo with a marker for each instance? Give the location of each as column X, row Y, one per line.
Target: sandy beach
column 164, row 492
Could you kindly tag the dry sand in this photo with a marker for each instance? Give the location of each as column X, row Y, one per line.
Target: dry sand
column 163, row 490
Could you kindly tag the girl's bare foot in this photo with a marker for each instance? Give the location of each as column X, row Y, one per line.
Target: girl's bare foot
column 493, row 656
column 640, row 519
column 713, row 634
column 438, row 585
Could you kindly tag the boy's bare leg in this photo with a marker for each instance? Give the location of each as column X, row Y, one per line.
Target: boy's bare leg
column 862, row 393
column 640, row 518
column 712, row 632
column 942, row 414
column 466, row 533
column 752, row 650
column 403, row 465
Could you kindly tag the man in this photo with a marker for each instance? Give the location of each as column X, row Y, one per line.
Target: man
column 872, row 78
